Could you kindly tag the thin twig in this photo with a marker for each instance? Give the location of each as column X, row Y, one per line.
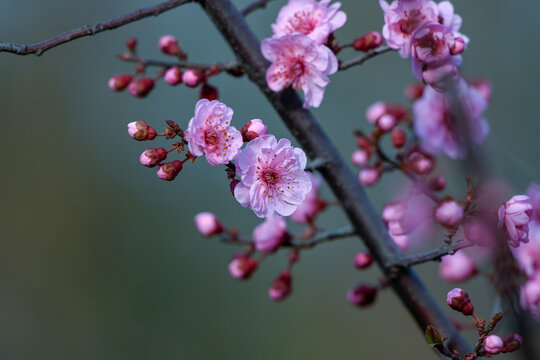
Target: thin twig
column 89, row 30
column 231, row 65
column 433, row 255
column 344, row 232
column 361, row 59
column 258, row 4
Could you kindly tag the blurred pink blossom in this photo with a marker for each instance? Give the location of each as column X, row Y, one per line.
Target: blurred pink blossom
column 269, row 235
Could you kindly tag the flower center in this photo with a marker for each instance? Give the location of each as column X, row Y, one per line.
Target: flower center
column 212, row 137
column 270, row 176
column 302, row 22
column 410, row 21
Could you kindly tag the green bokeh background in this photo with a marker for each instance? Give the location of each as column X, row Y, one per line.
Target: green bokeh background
column 99, row 259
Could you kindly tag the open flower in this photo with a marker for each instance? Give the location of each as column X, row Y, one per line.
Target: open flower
column 300, row 62
column 209, row 132
column 309, row 17
column 514, row 217
column 272, row 175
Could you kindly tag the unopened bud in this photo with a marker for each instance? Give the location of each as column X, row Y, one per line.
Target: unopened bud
column 208, row 224
column 512, row 342
column 169, row 171
column 119, row 82
column 458, row 47
column 396, row 110
column 242, row 266
column 131, row 44
column 169, row 45
column 458, row 299
column 152, row 157
column 141, row 131
column 437, row 183
column 141, row 87
column 362, row 295
column 360, row 157
column 449, row 213
column 173, row 76
column 457, row 267
column 208, row 92
column 253, row 129
column 493, row 344
column 393, row 212
column 363, row 260
column 386, row 122
column 399, row 137
column 368, row 176
column 281, row 287
column 375, row 111
column 192, row 77
column 420, row 163
column 414, row 91
column 368, row 41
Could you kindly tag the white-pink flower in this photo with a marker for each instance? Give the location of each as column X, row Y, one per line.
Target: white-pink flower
column 269, row 235
column 209, row 132
column 309, row 208
column 272, row 176
column 299, row 62
column 309, row 17
column 514, row 217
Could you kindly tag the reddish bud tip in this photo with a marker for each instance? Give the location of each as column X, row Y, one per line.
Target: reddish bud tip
column 420, row 163
column 437, row 183
column 253, row 129
column 399, row 137
column 362, row 295
column 414, row 91
column 242, row 266
column 141, row 131
column 192, row 77
column 363, row 260
column 512, row 342
column 208, row 224
column 368, row 41
column 281, row 287
column 168, row 45
column 458, row 299
column 131, row 44
column 152, row 157
column 169, row 171
column 208, row 92
column 141, row 87
column 493, row 344
column 173, row 76
column 119, row 82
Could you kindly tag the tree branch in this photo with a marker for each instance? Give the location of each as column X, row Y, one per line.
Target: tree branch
column 342, row 181
column 230, row 65
column 436, row 254
column 344, row 65
column 89, row 30
column 259, row 4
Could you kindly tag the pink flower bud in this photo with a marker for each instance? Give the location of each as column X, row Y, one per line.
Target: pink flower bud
column 119, row 82
column 368, row 41
column 369, row 176
column 456, row 268
column 168, row 45
column 192, row 77
column 208, row 224
column 484, row 88
column 402, row 241
column 420, row 163
column 169, row 171
column 141, row 87
column 437, row 74
column 512, row 342
column 393, row 211
column 362, row 295
column 449, row 213
column 397, row 111
column 208, row 92
column 242, row 266
column 458, row 299
column 253, row 129
column 173, row 76
column 514, row 217
column 363, row 260
column 360, row 157
column 141, row 131
column 386, row 122
column 458, row 47
column 131, row 44
column 281, row 287
column 493, row 344
column 269, row 235
column 530, row 296
column 399, row 137
column 375, row 111
column 436, row 184
column 414, row 91
column 153, row 156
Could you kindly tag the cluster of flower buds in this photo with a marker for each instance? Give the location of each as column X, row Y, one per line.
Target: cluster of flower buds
column 369, row 41
column 297, row 48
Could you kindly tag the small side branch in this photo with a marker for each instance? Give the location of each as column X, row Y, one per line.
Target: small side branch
column 228, row 66
column 89, row 30
column 435, row 254
column 361, row 59
column 259, row 4
column 344, row 232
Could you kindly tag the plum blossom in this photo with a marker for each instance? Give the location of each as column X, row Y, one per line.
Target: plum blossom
column 300, row 62
column 208, row 224
column 314, row 19
column 272, row 175
column 530, row 297
column 270, row 234
column 457, row 267
column 514, row 217
column 435, row 124
column 493, row 344
column 209, row 132
column 309, row 208
column 451, row 20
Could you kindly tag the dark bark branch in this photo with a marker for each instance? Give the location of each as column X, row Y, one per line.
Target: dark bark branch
column 89, row 30
column 259, row 4
column 344, row 65
column 344, row 184
column 433, row 255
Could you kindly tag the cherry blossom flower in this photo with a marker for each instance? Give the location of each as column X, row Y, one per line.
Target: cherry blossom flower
column 450, row 19
column 457, row 267
column 269, row 235
column 449, row 213
column 300, row 62
column 309, row 208
column 309, row 17
column 209, row 132
column 435, row 124
column 514, row 217
column 493, row 344
column 272, row 175
column 530, row 297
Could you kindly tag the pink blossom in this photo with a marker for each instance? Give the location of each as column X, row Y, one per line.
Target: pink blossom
column 458, row 299
column 153, row 156
column 242, row 266
column 431, row 43
column 528, row 255
column 394, row 211
column 309, row 208
column 493, row 344
column 253, row 129
column 435, row 124
column 530, row 297
column 360, row 157
column 363, row 260
column 173, row 76
column 437, row 74
column 369, row 41
column 272, row 177
column 168, row 44
column 533, row 192
column 514, row 217
column 119, row 82
column 309, row 17
column 281, row 287
column 375, row 111
column 449, row 213
column 209, row 132
column 141, row 87
column 269, row 235
column 457, row 267
column 141, row 131
column 402, row 18
column 298, row 61
column 362, row 295
column 451, row 20
column 369, row 176
column 169, row 171
column 208, row 224
column 192, row 77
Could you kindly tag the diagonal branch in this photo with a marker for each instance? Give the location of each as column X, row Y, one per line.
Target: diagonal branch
column 89, row 30
column 344, row 65
column 342, row 181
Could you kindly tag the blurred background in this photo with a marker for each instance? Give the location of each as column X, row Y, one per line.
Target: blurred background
column 99, row 259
